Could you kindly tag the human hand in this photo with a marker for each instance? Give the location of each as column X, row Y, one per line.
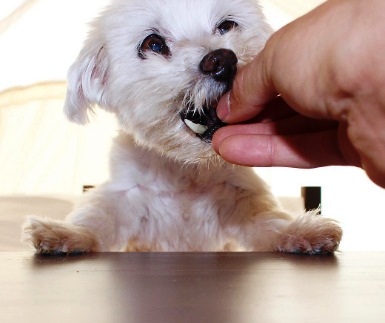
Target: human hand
column 327, row 67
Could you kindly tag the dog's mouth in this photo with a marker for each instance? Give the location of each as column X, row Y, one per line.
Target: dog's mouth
column 203, row 123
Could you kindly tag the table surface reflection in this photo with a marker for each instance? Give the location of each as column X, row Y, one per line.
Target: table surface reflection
column 192, row 287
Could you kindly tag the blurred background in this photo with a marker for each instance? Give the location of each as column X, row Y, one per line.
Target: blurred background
column 41, row 154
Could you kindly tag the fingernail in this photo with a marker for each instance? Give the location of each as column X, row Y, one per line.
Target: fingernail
column 224, row 105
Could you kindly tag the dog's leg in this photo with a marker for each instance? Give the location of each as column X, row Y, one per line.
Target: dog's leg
column 58, row 237
column 259, row 223
column 310, row 234
column 89, row 228
column 278, row 231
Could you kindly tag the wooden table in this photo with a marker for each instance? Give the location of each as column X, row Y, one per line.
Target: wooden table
column 192, row 287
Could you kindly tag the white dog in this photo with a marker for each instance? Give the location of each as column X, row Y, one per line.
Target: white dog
column 160, row 66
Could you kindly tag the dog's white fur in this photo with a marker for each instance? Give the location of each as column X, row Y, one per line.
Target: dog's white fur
column 168, row 190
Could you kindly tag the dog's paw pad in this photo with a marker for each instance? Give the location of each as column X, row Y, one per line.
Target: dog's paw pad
column 57, row 237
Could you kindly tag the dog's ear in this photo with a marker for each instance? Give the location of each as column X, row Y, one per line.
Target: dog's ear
column 86, row 84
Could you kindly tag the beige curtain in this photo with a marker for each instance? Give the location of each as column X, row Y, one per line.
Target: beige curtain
column 42, row 152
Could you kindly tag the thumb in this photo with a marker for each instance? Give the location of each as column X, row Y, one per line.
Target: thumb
column 252, row 89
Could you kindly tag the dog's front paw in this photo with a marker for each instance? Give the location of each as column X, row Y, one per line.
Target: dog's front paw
column 310, row 234
column 57, row 237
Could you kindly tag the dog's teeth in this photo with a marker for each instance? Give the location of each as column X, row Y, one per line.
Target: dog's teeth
column 196, row 127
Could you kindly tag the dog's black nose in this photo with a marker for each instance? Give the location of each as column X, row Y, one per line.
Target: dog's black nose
column 220, row 64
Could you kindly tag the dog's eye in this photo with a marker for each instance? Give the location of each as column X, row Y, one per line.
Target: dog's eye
column 225, row 26
column 155, row 44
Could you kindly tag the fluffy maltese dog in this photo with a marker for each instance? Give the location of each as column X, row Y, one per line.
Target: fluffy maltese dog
column 160, row 66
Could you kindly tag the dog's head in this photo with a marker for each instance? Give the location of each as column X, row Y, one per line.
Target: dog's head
column 161, row 66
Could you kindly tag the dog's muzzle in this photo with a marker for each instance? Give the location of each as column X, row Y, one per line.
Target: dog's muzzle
column 221, row 66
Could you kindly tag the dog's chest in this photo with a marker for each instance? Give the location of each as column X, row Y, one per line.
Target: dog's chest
column 174, row 209
column 164, row 205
